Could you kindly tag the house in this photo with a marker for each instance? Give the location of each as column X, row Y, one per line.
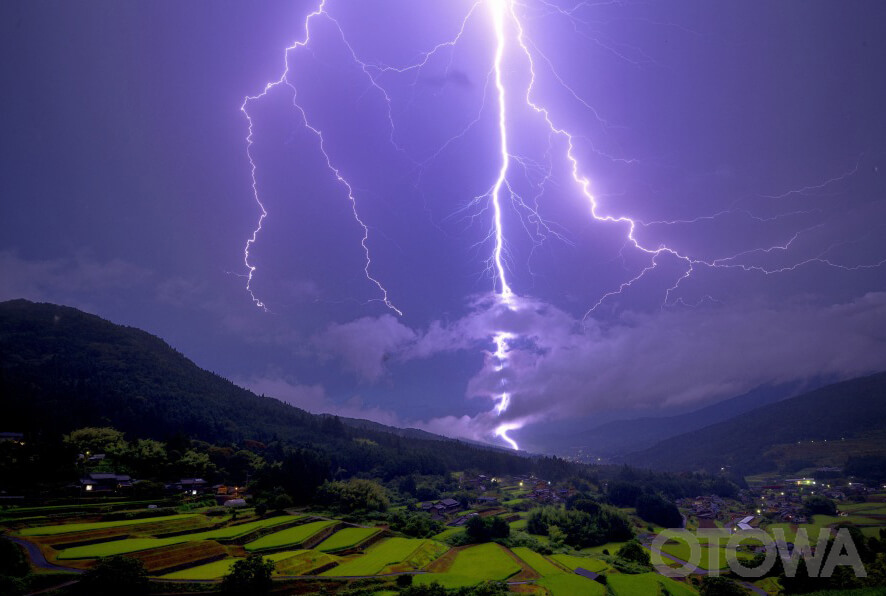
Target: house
column 191, row 486
column 450, row 505
column 105, row 483
column 489, row 501
column 194, row 486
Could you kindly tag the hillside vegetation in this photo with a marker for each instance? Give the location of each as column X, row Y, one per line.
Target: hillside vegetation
column 851, row 410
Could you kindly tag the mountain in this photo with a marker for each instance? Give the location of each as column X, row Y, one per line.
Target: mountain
column 751, row 442
column 62, row 369
column 620, row 437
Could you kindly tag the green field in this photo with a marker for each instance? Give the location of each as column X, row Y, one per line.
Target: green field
column 573, row 563
column 346, row 538
column 520, row 524
column 536, row 561
column 243, row 529
column 622, row 584
column 290, row 536
column 380, row 555
column 447, row 533
column 484, row 561
column 213, row 570
column 118, row 547
column 571, row 584
column 473, row 565
column 682, row 551
column 218, row 569
column 612, row 547
column 299, row 562
column 68, row 528
column 131, row 545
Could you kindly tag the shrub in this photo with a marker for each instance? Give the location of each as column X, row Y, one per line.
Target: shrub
column 251, row 575
column 632, row 551
column 115, row 575
column 12, row 559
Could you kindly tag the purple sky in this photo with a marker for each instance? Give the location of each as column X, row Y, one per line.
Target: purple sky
column 752, row 130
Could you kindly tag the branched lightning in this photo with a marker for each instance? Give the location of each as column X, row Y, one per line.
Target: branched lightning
column 513, row 47
column 336, row 172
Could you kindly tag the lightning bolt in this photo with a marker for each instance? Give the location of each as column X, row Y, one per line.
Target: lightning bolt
column 284, row 80
column 513, row 46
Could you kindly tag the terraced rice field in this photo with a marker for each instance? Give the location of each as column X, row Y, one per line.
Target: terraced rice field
column 218, row 569
column 230, row 532
column 420, row 558
column 118, row 547
column 290, row 536
column 539, row 563
column 622, row 584
column 571, row 584
column 159, row 559
column 85, row 527
column 346, row 538
column 572, row 562
column 475, row 564
column 303, row 562
column 131, row 545
column 379, row 556
column 213, row 570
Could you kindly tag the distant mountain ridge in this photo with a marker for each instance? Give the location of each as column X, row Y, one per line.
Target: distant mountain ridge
column 847, row 409
column 620, row 437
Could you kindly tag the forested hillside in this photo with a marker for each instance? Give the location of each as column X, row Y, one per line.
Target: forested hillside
column 846, row 410
column 62, row 369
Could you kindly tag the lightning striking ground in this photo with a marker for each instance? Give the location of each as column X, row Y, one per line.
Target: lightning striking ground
column 514, row 50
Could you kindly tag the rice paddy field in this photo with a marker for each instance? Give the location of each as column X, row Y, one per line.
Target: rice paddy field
column 346, row 538
column 85, row 527
column 622, row 584
column 379, row 556
column 473, row 565
column 290, row 536
column 193, row 547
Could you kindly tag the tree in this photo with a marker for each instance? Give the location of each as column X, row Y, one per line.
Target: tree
column 720, row 586
column 92, row 440
column 195, row 464
column 816, row 504
column 251, row 575
column 282, row 501
column 634, row 552
column 355, row 495
column 147, row 458
column 658, row 510
column 481, row 529
column 556, row 536
column 115, row 575
column 624, row 494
